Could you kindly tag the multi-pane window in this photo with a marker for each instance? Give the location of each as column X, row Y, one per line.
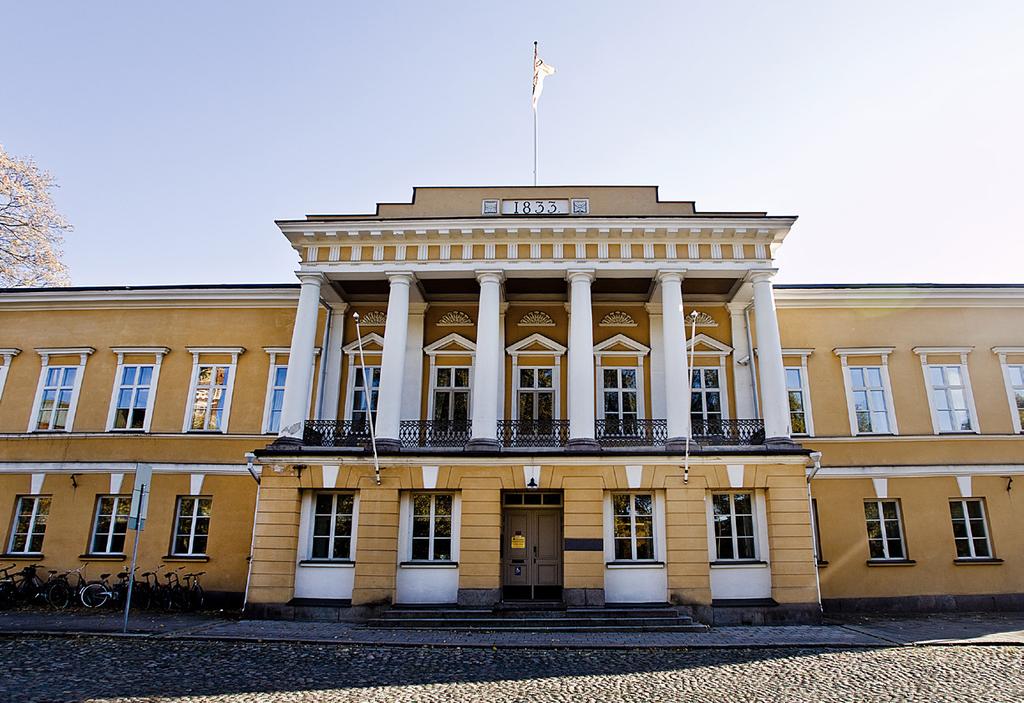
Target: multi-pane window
column 451, row 394
column 621, row 406
column 432, row 526
column 210, row 397
column 885, row 529
column 30, row 516
column 332, row 526
column 797, row 400
column 55, row 401
column 633, row 526
column 949, row 397
column 132, row 401
column 1016, row 374
column 733, row 517
column 869, row 399
column 969, row 529
column 536, row 393
column 361, row 403
column 110, row 525
column 192, row 525
column 276, row 403
column 705, row 397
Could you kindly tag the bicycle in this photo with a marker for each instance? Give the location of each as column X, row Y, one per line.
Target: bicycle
column 102, row 592
column 194, row 595
column 59, row 590
column 173, row 596
column 28, row 586
column 8, row 592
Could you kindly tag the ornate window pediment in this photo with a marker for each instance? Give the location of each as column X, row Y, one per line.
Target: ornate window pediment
column 374, row 318
column 617, row 318
column 536, row 344
column 455, row 318
column 373, row 343
column 620, row 344
column 451, row 344
column 536, row 318
column 703, row 345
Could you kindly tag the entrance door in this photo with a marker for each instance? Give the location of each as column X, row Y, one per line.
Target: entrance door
column 532, row 554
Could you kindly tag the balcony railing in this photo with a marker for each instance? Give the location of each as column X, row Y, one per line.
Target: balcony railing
column 433, row 433
column 631, row 433
column 533, row 433
column 727, row 432
column 336, row 433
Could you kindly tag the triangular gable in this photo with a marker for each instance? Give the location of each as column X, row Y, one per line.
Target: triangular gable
column 712, row 346
column 372, row 342
column 536, row 343
column 620, row 343
column 442, row 346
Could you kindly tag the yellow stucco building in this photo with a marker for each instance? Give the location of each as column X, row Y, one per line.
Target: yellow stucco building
column 581, row 395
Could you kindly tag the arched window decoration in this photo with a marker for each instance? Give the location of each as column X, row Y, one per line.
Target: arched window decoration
column 374, row 318
column 455, row 318
column 617, row 318
column 536, row 318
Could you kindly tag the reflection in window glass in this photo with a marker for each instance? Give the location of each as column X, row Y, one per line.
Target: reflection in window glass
column 432, row 526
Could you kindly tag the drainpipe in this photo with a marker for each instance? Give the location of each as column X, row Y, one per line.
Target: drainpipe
column 816, row 458
column 250, row 458
column 753, row 367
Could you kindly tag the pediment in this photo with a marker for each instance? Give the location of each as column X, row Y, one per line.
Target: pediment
column 450, row 344
column 620, row 343
column 372, row 343
column 702, row 344
column 536, row 344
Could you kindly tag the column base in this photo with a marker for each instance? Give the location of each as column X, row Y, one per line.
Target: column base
column 678, row 444
column 286, row 442
column 781, row 443
column 483, row 444
column 582, row 444
column 385, row 444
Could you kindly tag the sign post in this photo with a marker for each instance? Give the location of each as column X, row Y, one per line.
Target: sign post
column 136, row 521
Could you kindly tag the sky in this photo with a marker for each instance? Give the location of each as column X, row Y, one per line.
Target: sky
column 179, row 132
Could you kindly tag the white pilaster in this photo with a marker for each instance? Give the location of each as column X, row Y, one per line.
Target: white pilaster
column 487, row 362
column 774, row 400
column 742, row 373
column 295, row 407
column 581, row 360
column 677, row 374
column 331, row 396
column 658, row 409
column 412, row 390
column 392, row 366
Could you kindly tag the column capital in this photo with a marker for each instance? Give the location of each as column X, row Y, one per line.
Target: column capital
column 489, row 276
column 400, row 277
column 310, row 277
column 737, row 307
column 762, row 275
column 670, row 275
column 573, row 275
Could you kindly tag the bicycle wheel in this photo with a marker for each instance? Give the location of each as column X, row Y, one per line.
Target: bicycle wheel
column 142, row 596
column 95, row 595
column 195, row 597
column 58, row 594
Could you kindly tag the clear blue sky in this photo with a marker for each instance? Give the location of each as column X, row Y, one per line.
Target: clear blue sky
column 180, row 131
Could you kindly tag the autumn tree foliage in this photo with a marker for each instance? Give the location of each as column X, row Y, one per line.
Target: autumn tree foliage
column 31, row 229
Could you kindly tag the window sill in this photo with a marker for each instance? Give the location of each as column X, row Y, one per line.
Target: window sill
column 103, row 557
column 739, row 563
column 891, row 562
column 186, row 557
column 429, row 565
column 964, row 561
column 125, row 430
column 635, row 565
column 24, row 556
column 328, row 563
column 205, row 431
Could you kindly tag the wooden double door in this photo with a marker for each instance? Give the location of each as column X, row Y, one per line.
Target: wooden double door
column 532, row 553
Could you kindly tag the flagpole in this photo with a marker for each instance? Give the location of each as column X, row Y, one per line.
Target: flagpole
column 535, row 118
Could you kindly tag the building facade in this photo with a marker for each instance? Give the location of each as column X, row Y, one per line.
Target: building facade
column 584, row 395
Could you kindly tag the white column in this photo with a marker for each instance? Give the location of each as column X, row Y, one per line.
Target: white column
column 295, row 406
column 657, row 361
column 774, row 400
column 742, row 373
column 392, row 365
column 412, row 390
column 487, row 363
column 677, row 375
column 331, row 396
column 581, row 361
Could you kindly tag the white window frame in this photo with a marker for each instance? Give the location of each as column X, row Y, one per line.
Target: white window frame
column 518, row 389
column 33, row 522
column 118, row 499
column 550, row 349
column 844, row 353
column 1005, row 364
column 194, row 517
column 373, row 350
column 309, row 511
column 197, row 354
column 805, row 388
column 632, row 526
column 715, row 350
column 885, row 536
column 410, row 513
column 720, row 389
column 965, row 376
column 158, row 354
column 759, row 517
column 434, row 388
column 274, row 353
column 442, row 348
column 83, row 354
column 619, row 368
column 620, row 357
column 970, row 532
column 6, row 354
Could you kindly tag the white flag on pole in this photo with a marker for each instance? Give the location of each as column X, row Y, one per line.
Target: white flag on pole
column 541, row 71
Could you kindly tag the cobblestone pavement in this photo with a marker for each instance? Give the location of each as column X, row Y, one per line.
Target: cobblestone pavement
column 118, row 669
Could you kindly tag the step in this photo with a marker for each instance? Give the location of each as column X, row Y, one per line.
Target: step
column 461, row 613
column 507, row 627
column 442, row 623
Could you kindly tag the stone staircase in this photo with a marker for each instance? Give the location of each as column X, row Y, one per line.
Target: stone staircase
column 614, row 618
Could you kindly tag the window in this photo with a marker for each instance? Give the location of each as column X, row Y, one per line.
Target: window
column 332, row 526
column 1016, row 376
column 633, row 526
column 131, row 403
column 451, row 395
column 621, row 406
column 798, row 416
column 110, row 525
column 191, row 526
column 209, row 398
column 733, row 516
column 30, row 513
column 949, row 398
column 536, row 393
column 885, row 530
column 275, row 400
column 970, row 532
column 57, row 395
column 432, row 526
column 360, row 406
column 869, row 400
column 705, row 398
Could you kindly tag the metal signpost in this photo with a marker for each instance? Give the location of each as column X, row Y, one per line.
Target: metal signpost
column 136, row 521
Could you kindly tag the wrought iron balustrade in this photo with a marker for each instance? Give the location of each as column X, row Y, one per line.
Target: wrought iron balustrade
column 629, row 432
column 533, row 433
column 727, row 432
column 336, row 433
column 434, row 433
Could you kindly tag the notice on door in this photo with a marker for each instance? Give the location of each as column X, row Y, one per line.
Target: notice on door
column 518, row 541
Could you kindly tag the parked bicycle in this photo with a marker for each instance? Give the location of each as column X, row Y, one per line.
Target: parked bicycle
column 102, row 592
column 62, row 591
column 8, row 592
